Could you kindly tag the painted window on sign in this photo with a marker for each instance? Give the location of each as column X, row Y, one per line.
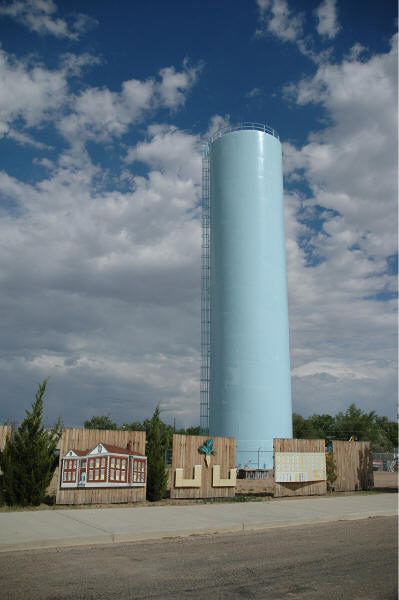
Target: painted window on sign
column 118, row 469
column 138, row 471
column 69, row 473
column 97, row 469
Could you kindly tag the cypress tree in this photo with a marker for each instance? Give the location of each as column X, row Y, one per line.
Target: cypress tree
column 157, row 474
column 28, row 459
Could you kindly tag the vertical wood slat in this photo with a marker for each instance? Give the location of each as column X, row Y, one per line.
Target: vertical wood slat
column 5, row 432
column 354, row 463
column 185, row 454
column 85, row 439
column 308, row 488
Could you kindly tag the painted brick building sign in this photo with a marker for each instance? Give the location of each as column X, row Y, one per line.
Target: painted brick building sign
column 104, row 465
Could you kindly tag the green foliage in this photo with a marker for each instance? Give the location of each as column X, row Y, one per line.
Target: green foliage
column 353, row 423
column 302, row 428
column 323, row 425
column 102, row 422
column 28, row 460
column 157, row 444
column 193, row 430
column 135, row 426
column 167, row 431
column 331, row 471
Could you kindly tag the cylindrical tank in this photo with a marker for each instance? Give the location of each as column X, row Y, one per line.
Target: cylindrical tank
column 250, row 389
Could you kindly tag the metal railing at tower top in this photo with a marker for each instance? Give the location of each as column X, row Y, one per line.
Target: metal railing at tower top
column 243, row 126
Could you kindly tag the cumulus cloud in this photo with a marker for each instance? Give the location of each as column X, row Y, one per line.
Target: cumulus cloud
column 327, row 18
column 285, row 24
column 29, row 92
column 99, row 114
column 169, row 150
column 33, row 94
column 341, row 236
column 351, row 164
column 40, row 16
column 26, row 140
column 277, row 19
column 102, row 287
column 174, row 85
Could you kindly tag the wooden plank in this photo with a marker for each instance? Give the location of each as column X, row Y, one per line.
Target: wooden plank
column 309, row 488
column 5, row 432
column 354, row 466
column 186, row 455
column 85, row 439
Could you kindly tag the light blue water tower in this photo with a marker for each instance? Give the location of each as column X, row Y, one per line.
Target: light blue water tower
column 245, row 370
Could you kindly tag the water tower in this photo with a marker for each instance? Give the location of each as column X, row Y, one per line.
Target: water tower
column 245, row 370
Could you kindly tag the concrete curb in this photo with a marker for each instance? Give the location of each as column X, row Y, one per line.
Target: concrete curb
column 117, row 538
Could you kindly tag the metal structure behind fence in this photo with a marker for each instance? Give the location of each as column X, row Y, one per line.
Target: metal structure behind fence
column 259, row 459
column 385, row 461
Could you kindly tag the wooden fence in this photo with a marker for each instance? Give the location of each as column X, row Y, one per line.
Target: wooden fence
column 354, row 464
column 5, row 432
column 307, row 488
column 186, row 456
column 85, row 439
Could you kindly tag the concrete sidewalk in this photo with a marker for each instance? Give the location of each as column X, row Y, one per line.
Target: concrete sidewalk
column 55, row 528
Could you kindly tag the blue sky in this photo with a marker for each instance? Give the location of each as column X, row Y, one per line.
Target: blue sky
column 103, row 111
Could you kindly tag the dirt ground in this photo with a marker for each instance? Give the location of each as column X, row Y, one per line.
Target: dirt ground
column 382, row 479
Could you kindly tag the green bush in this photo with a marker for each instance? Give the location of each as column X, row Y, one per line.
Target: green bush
column 157, row 474
column 331, row 471
column 28, row 459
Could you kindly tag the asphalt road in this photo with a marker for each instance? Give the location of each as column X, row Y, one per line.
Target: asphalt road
column 349, row 560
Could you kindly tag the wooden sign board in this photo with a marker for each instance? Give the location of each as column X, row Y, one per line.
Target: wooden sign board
column 86, row 439
column 200, row 475
column 298, row 467
column 305, row 487
column 354, row 463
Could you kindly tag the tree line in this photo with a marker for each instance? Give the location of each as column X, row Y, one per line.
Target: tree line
column 351, row 424
column 166, row 431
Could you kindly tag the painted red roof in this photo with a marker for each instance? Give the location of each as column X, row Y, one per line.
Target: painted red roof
column 117, row 450
column 80, row 452
column 109, row 448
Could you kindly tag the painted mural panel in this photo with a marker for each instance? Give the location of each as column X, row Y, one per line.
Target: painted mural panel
column 299, row 467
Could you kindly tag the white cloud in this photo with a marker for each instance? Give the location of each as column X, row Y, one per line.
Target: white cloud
column 169, row 150
column 327, row 17
column 279, row 20
column 102, row 288
column 351, row 164
column 340, row 369
column 343, row 337
column 101, row 115
column 254, row 93
column 40, row 16
column 174, row 85
column 26, row 140
column 216, row 123
column 30, row 93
